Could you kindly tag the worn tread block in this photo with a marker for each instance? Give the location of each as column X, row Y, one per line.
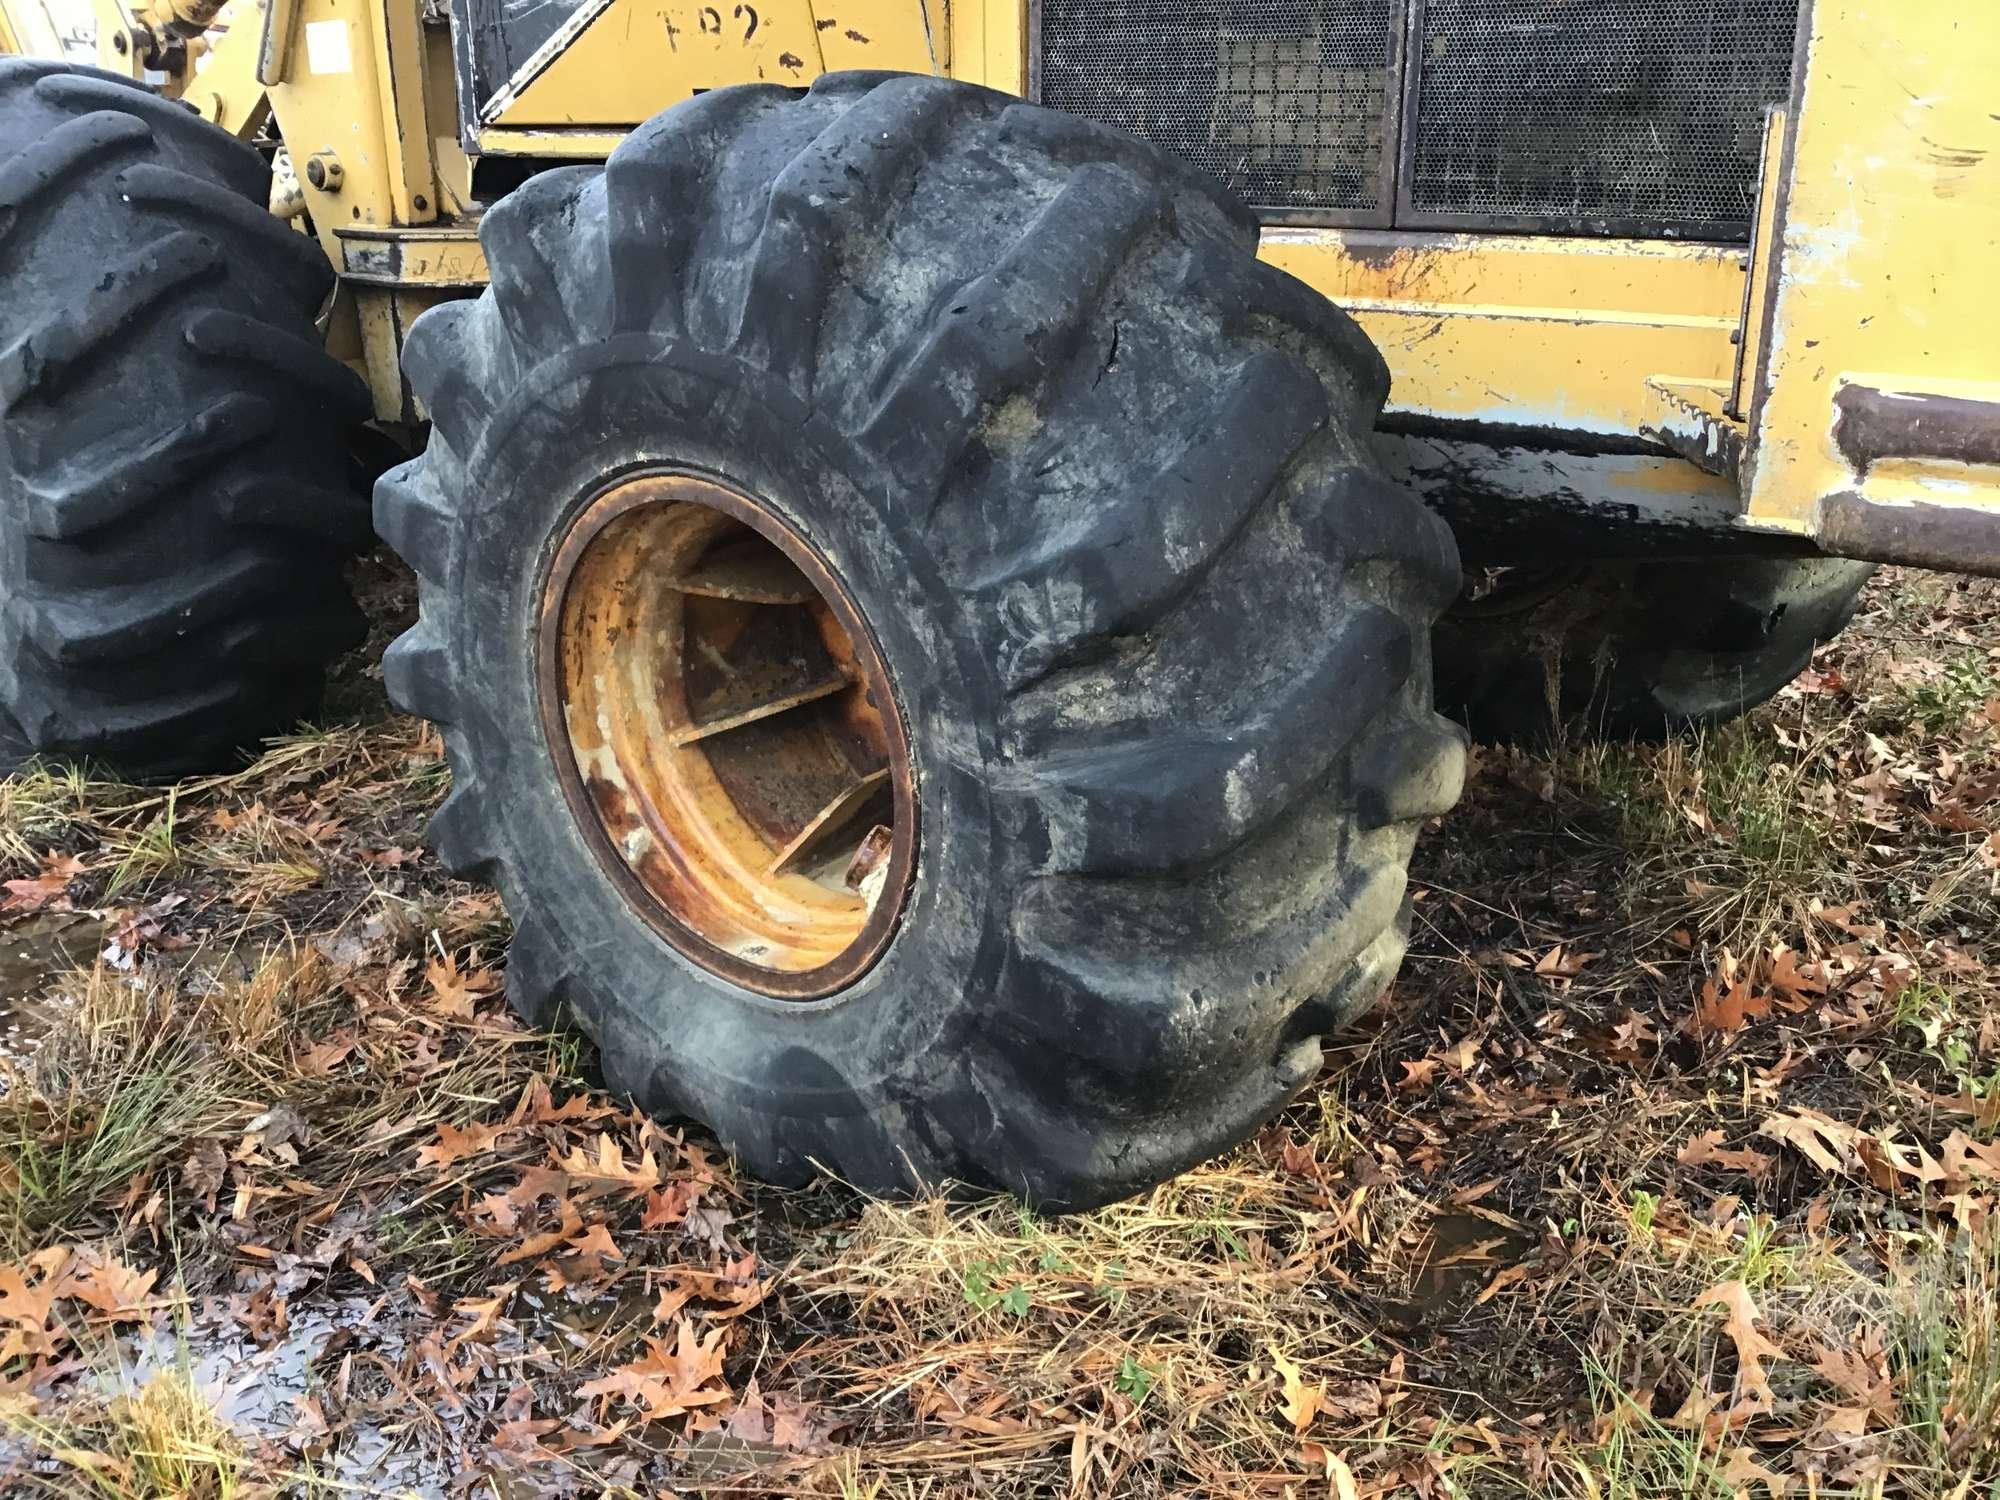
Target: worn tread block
column 167, row 396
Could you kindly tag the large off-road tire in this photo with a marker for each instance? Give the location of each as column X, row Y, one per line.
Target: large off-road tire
column 175, row 492
column 1088, row 488
column 1635, row 648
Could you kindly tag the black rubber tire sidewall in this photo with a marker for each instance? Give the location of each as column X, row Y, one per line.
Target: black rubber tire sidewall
column 701, row 411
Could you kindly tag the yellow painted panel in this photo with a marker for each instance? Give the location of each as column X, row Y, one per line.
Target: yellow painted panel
column 396, row 34
column 1543, row 370
column 330, row 101
column 989, row 43
column 1887, row 270
column 225, row 90
column 1527, row 331
column 1623, row 277
column 634, row 58
column 896, row 34
column 576, row 145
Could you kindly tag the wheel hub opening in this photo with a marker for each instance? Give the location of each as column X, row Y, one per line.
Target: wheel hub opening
column 728, row 735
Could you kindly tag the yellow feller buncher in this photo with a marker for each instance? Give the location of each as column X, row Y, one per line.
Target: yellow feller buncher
column 948, row 530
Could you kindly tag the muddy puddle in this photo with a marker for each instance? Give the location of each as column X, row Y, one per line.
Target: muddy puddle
column 379, row 1395
column 34, row 953
column 1462, row 1253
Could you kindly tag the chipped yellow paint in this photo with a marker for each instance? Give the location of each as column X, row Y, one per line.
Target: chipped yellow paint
column 633, row 58
column 571, row 145
column 1886, row 275
column 1757, row 294
column 883, row 34
column 383, row 319
column 432, row 257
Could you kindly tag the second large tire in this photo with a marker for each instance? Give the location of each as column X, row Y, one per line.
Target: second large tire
column 1636, row 648
column 1097, row 481
column 176, row 493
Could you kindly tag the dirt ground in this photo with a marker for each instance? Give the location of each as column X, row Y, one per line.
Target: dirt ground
column 1668, row 1166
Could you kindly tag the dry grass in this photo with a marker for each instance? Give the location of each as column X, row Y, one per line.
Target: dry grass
column 1667, row 1170
column 159, row 1440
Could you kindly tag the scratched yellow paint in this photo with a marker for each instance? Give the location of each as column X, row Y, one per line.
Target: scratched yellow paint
column 1890, row 245
column 636, row 57
column 639, row 56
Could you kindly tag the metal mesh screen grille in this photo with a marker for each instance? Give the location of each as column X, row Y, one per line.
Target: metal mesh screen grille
column 1289, row 102
column 1597, row 114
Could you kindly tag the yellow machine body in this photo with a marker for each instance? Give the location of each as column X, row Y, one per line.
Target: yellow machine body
column 1834, row 382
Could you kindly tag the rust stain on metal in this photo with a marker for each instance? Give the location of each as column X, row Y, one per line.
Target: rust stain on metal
column 724, row 724
column 869, row 858
column 1957, row 538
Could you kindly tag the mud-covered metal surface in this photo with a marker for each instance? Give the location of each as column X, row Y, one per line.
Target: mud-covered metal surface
column 1511, row 496
column 1554, row 341
column 1957, row 538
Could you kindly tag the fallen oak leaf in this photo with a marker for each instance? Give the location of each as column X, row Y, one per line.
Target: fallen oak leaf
column 1333, row 1467
column 1826, row 1143
column 485, row 1314
column 1559, row 963
column 1752, row 1348
column 319, row 1059
column 1964, row 1158
column 1721, row 1011
column 781, row 1421
column 1743, row 1467
column 1984, row 1110
column 538, row 1107
column 114, row 1289
column 665, row 1381
column 1502, row 1279
column 1298, row 1402
column 1884, row 1158
column 737, row 1286
column 1417, row 1072
column 669, row 1205
column 48, row 889
column 454, row 1144
column 1707, row 1148
column 597, row 1241
column 1862, row 1374
column 609, row 1166
column 1784, row 974
column 553, row 1240
column 31, row 1305
column 227, row 820
column 453, row 992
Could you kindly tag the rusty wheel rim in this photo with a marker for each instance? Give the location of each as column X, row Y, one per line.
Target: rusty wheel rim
column 727, row 735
